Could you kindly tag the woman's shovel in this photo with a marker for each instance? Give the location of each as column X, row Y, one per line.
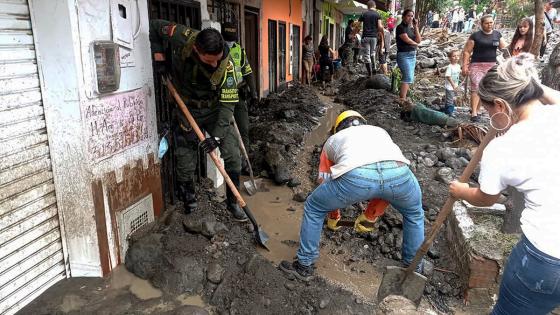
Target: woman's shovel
column 406, row 282
column 260, row 235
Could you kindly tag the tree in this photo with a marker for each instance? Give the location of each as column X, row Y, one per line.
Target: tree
column 539, row 27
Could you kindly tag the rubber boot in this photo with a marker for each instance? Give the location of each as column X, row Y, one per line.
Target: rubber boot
column 187, row 195
column 368, row 68
column 233, row 207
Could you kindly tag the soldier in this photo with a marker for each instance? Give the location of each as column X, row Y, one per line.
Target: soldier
column 246, row 82
column 204, row 76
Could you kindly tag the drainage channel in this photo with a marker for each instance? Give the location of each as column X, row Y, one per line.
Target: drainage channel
column 280, row 217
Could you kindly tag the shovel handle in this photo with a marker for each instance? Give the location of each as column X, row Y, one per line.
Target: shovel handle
column 201, row 137
column 244, row 151
column 448, row 206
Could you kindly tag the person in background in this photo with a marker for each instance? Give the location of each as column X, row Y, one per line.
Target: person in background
column 408, row 38
column 479, row 55
column 523, row 158
column 461, row 21
column 550, row 17
column 384, row 52
column 435, row 22
column 308, row 59
column 326, row 58
column 429, row 18
column 245, row 82
column 346, row 51
column 523, row 37
column 391, row 23
column 455, row 20
column 452, row 76
column 470, row 18
column 372, row 28
column 357, row 48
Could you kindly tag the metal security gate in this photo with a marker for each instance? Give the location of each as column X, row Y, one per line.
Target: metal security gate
column 188, row 13
column 31, row 255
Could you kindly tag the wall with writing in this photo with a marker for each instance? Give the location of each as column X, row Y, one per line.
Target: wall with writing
column 115, row 123
column 95, row 140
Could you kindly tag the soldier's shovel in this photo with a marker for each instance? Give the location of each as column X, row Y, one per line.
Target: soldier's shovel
column 260, row 235
column 406, row 282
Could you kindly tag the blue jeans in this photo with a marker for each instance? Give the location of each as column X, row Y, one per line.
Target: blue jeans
column 389, row 180
column 406, row 60
column 449, row 102
column 531, row 282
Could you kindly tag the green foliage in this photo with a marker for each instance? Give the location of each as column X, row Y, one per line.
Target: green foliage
column 396, row 78
column 384, row 15
column 519, row 9
column 467, row 4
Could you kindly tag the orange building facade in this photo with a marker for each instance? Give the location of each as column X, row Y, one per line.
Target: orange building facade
column 281, row 30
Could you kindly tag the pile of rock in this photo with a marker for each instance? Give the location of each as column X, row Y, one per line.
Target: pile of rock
column 277, row 127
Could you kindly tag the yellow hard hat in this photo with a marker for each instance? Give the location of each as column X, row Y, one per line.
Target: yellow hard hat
column 343, row 116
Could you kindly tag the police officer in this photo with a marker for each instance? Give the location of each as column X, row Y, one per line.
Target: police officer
column 203, row 74
column 247, row 87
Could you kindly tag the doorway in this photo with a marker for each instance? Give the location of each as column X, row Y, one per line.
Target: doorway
column 272, row 59
column 296, row 42
column 282, row 51
column 252, row 42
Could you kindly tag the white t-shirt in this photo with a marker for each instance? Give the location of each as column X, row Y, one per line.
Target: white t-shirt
column 453, row 71
column 358, row 146
column 526, row 158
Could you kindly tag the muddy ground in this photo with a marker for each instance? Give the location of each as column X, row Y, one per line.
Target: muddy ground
column 207, row 255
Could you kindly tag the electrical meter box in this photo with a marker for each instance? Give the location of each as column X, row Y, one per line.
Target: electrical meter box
column 106, row 65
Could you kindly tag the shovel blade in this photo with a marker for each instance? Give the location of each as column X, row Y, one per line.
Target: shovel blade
column 392, row 283
column 252, row 186
column 262, row 238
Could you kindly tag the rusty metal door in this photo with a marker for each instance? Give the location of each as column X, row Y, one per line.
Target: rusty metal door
column 31, row 252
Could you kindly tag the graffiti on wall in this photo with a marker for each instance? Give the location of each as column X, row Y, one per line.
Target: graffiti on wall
column 114, row 123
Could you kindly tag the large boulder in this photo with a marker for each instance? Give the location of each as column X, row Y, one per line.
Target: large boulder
column 144, row 256
column 378, row 82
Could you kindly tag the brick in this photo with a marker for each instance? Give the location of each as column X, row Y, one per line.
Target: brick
column 483, row 272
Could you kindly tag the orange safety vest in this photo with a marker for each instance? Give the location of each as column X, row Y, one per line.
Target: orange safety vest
column 376, row 207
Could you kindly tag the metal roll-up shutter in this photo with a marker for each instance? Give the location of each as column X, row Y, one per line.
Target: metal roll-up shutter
column 31, row 255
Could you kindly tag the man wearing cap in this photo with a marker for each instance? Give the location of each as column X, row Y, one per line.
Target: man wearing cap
column 203, row 74
column 246, row 79
column 360, row 171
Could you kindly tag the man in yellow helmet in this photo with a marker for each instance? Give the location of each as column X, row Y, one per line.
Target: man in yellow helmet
column 367, row 165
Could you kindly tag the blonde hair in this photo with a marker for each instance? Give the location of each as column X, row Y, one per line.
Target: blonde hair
column 515, row 81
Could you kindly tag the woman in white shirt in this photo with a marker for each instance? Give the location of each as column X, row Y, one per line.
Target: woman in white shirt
column 526, row 158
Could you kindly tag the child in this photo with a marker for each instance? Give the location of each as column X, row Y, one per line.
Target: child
column 523, row 37
column 452, row 81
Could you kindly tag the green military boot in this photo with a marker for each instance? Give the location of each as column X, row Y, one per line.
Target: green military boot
column 233, row 207
column 187, row 196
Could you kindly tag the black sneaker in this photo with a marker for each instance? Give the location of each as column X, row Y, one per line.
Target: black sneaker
column 304, row 273
column 475, row 119
column 238, row 213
